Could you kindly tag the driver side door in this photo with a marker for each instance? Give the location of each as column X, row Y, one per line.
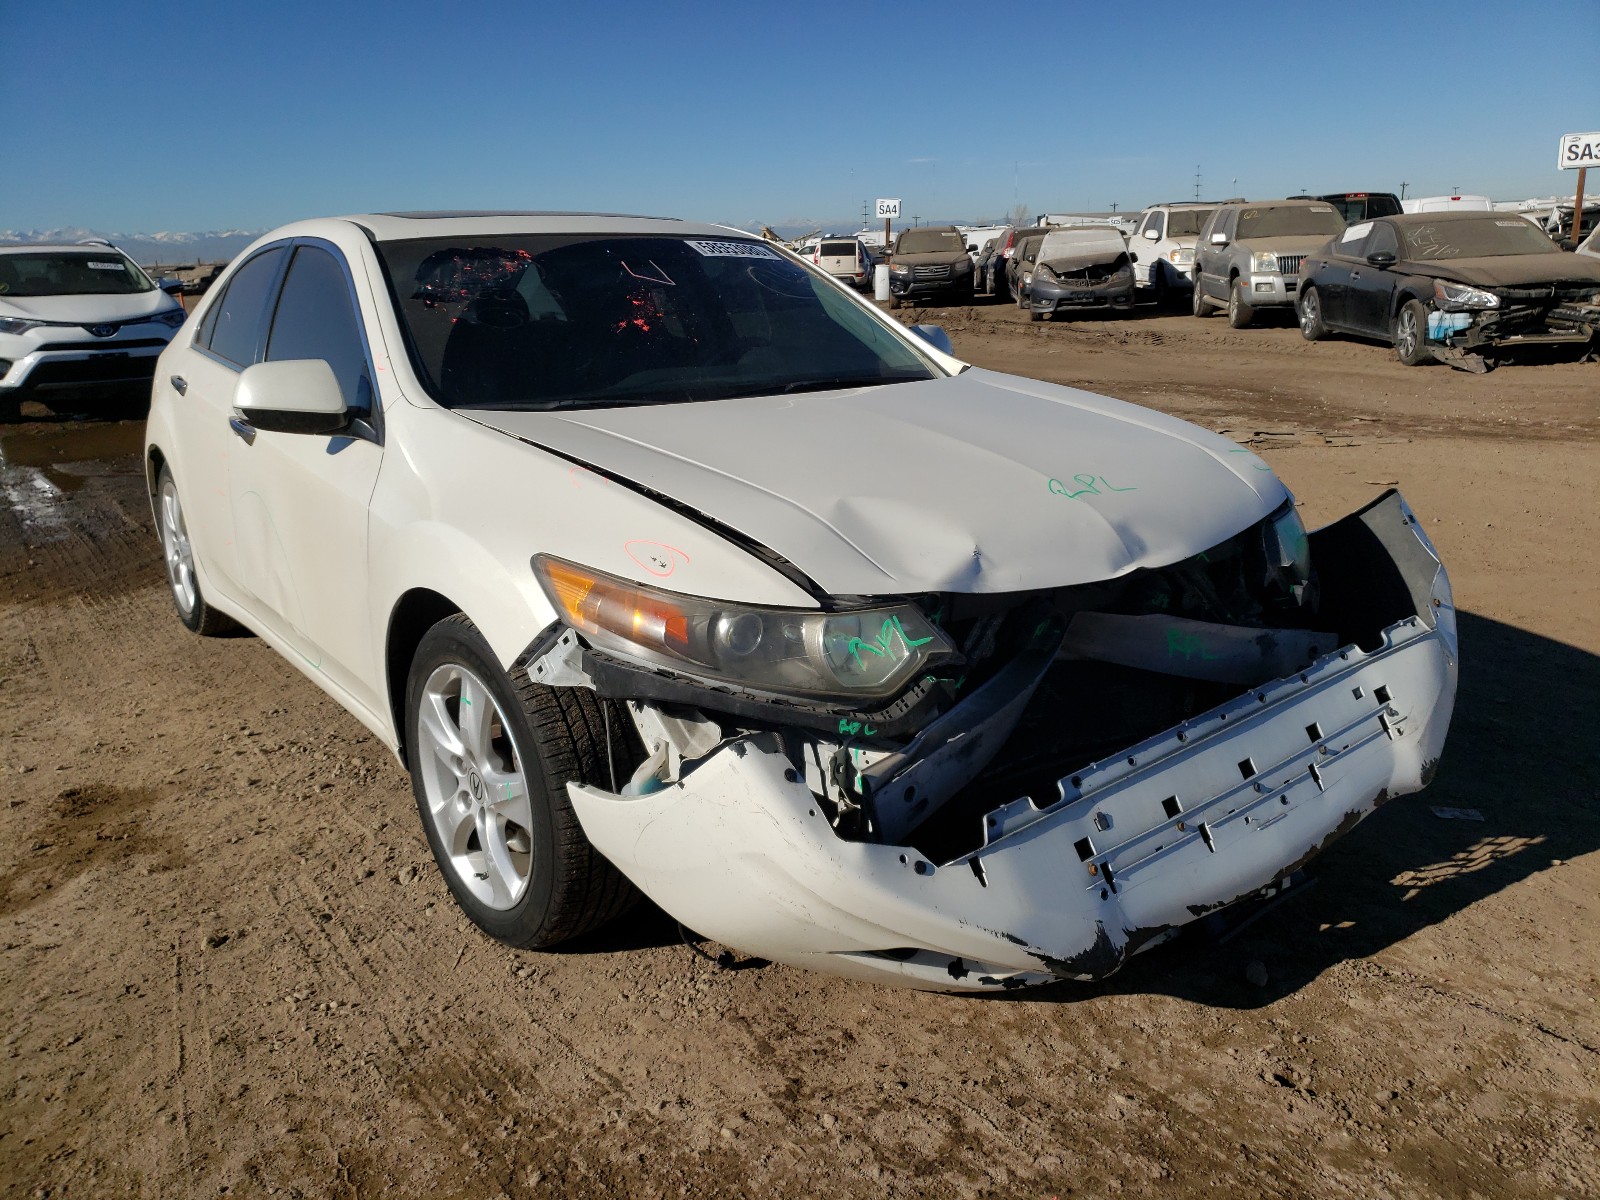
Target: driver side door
column 300, row 501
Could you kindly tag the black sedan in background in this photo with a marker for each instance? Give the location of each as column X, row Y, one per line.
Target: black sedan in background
column 1454, row 287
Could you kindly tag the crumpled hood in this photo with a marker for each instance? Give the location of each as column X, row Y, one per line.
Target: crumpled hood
column 1509, row 270
column 977, row 483
column 97, row 309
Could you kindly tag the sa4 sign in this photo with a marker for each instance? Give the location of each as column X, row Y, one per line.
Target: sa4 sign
column 888, row 208
column 1577, row 150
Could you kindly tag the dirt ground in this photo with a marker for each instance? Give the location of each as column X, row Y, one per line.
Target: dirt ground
column 229, row 967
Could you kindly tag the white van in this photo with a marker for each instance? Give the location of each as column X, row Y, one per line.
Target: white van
column 845, row 258
column 1428, row 204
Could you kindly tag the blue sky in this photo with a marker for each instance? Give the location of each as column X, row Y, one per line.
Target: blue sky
column 188, row 116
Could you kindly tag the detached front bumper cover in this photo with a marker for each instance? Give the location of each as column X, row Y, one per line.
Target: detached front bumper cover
column 1212, row 811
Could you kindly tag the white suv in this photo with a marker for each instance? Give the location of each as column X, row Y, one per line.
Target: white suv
column 1164, row 246
column 78, row 319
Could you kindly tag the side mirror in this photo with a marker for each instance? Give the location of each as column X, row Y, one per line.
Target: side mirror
column 1219, row 239
column 972, row 249
column 299, row 395
column 935, row 336
column 1383, row 258
column 1133, row 258
column 1152, row 234
column 170, row 286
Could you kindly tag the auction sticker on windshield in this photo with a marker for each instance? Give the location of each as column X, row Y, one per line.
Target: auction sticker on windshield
column 105, row 266
column 733, row 250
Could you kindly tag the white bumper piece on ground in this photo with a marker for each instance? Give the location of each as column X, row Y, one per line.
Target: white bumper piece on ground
column 1212, row 811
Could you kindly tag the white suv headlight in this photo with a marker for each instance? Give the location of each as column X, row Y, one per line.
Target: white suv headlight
column 1264, row 261
column 868, row 653
column 17, row 325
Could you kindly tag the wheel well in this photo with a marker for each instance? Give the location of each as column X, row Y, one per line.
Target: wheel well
column 416, row 612
column 152, row 470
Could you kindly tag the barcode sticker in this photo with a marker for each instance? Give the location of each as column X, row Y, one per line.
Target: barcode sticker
column 105, row 266
column 734, row 250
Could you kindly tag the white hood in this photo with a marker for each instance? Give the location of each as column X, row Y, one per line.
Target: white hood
column 100, row 308
column 978, row 483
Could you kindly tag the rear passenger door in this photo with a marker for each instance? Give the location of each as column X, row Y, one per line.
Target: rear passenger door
column 202, row 382
column 300, row 501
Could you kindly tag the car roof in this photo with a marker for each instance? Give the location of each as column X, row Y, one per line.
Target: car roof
column 81, row 247
column 399, row 226
column 1275, row 203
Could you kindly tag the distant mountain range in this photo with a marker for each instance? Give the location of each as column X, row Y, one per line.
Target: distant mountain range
column 147, row 249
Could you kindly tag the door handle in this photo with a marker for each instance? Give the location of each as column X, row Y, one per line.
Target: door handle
column 179, row 384
column 244, row 429
column 1355, row 275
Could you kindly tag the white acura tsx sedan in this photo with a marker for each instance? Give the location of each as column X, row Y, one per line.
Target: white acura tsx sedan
column 667, row 564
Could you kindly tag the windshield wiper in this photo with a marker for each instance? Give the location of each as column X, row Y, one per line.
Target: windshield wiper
column 838, row 382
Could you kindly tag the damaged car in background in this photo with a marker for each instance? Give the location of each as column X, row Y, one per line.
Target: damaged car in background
column 666, row 564
column 1464, row 288
column 1081, row 268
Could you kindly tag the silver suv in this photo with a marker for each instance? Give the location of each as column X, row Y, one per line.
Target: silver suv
column 1249, row 254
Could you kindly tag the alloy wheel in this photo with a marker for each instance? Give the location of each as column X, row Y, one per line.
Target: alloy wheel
column 476, row 789
column 176, row 550
column 1405, row 333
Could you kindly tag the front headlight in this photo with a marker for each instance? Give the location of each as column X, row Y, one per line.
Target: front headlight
column 17, row 325
column 1044, row 272
column 1264, row 261
column 900, row 268
column 172, row 319
column 1458, row 297
column 1182, row 258
column 866, row 653
column 963, row 266
column 1288, row 550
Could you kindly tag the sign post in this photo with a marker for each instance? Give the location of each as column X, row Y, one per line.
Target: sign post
column 888, row 209
column 1579, row 151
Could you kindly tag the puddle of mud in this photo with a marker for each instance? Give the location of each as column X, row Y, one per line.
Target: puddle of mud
column 97, row 825
column 67, row 455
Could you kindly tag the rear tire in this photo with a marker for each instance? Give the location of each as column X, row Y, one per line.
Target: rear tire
column 1240, row 314
column 490, row 780
column 1310, row 306
column 1409, row 334
column 183, row 580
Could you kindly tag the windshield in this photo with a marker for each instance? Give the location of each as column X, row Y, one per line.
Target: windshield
column 97, row 272
column 1298, row 220
column 1488, row 237
column 1186, row 222
column 929, row 241
column 580, row 321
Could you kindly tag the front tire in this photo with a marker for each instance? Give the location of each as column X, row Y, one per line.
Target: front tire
column 1240, row 314
column 183, row 581
column 1409, row 334
column 1311, row 326
column 1199, row 305
column 490, row 760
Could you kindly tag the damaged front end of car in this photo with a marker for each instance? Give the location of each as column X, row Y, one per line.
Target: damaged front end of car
column 1469, row 325
column 964, row 791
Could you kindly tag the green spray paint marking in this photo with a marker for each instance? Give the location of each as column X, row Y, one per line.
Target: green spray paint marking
column 848, row 728
column 1188, row 646
column 1091, row 486
column 892, row 628
column 1258, row 464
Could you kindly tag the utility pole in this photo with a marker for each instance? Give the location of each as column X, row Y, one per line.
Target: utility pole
column 1197, row 181
column 866, row 212
column 1113, row 207
column 914, row 220
column 1403, row 186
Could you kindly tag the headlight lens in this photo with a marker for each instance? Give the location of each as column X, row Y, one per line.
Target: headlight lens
column 1183, row 258
column 1045, row 272
column 1458, row 297
column 1264, row 261
column 1288, row 550
column 963, row 265
column 866, row 653
column 900, row 268
column 17, row 325
column 172, row 319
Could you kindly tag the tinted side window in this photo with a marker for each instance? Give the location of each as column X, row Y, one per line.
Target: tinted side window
column 316, row 319
column 1153, row 221
column 241, row 314
column 1382, row 239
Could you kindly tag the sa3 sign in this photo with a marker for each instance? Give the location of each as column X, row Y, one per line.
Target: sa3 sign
column 1577, row 150
column 888, row 208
